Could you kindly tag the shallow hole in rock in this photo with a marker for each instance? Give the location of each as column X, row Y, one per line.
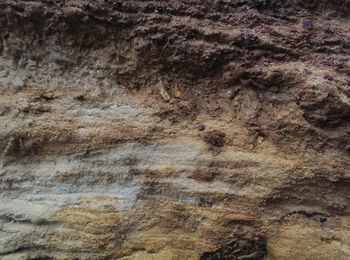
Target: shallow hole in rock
column 239, row 248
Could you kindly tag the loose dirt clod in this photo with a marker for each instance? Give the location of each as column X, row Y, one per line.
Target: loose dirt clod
column 215, row 138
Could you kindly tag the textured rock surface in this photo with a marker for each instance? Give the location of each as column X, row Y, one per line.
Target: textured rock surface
column 174, row 129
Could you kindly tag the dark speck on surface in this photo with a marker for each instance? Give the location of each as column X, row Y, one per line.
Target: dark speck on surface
column 250, row 37
column 308, row 24
column 307, row 72
column 328, row 78
column 322, row 219
column 326, row 63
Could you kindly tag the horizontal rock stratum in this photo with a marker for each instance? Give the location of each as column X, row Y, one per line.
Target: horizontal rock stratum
column 175, row 129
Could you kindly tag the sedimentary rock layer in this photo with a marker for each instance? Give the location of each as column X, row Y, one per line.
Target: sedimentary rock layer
column 174, row 129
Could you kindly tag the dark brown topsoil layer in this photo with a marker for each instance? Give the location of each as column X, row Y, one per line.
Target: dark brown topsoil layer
column 267, row 56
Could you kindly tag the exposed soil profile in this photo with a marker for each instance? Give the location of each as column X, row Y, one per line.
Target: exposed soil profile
column 175, row 129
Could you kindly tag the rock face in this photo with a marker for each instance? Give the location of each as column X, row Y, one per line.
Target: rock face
column 174, row 129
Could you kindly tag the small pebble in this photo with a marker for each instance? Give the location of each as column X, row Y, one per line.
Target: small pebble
column 177, row 93
column 163, row 92
column 201, row 127
column 348, row 81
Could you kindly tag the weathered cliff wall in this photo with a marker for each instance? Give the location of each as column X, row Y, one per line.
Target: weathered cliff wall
column 174, row 129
